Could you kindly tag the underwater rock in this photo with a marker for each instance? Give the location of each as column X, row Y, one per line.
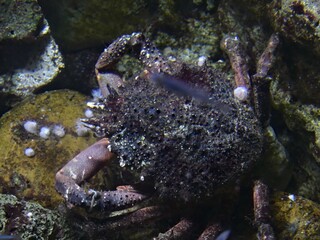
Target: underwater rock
column 275, row 167
column 302, row 139
column 298, row 21
column 30, row 58
column 82, row 24
column 42, row 62
column 247, row 19
column 32, row 177
column 28, row 220
column 20, row 20
column 295, row 217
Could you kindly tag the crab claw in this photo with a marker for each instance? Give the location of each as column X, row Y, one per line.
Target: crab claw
column 81, row 168
column 109, row 83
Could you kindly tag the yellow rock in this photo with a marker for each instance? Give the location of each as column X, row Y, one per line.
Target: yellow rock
column 33, row 177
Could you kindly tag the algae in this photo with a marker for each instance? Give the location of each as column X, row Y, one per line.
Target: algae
column 298, row 21
column 33, row 177
column 295, row 217
column 28, row 220
column 20, row 20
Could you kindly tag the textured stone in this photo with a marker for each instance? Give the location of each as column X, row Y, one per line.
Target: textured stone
column 29, row 220
column 295, row 217
column 33, row 177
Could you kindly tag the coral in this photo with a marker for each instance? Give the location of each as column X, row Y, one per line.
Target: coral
column 42, row 62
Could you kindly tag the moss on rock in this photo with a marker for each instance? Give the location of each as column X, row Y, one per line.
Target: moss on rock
column 295, row 217
column 298, row 21
column 303, row 143
column 33, row 177
column 28, row 220
column 20, row 20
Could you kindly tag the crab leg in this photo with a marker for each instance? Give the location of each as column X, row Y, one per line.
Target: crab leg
column 211, row 232
column 181, row 230
column 261, row 211
column 232, row 46
column 81, row 168
column 261, row 83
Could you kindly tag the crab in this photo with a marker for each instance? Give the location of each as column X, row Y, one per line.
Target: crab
column 185, row 131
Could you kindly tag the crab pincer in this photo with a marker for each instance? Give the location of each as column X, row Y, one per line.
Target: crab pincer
column 81, row 168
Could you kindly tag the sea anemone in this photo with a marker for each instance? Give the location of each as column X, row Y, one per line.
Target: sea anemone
column 96, row 94
column 44, row 132
column 202, row 61
column 241, row 93
column 59, row 131
column 88, row 113
column 29, row 152
column 81, row 129
column 31, row 126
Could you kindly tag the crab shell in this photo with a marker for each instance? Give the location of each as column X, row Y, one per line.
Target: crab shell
column 186, row 146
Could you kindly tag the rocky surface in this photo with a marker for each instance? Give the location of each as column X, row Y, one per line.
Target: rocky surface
column 298, row 21
column 29, row 220
column 295, row 217
column 30, row 59
column 32, row 177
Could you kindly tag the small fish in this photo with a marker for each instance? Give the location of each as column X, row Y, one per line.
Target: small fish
column 8, row 237
column 183, row 89
column 179, row 87
column 224, row 235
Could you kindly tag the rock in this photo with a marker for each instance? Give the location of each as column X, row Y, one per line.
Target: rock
column 30, row 58
column 28, row 220
column 295, row 217
column 302, row 140
column 20, row 20
column 33, row 177
column 83, row 24
column 298, row 21
column 41, row 62
column 275, row 167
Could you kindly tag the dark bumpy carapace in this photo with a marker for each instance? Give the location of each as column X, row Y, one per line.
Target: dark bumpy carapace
column 188, row 147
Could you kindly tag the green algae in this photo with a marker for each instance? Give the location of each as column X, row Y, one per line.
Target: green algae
column 298, row 21
column 20, row 20
column 303, row 122
column 275, row 167
column 298, row 117
column 33, row 177
column 295, row 217
column 28, row 220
